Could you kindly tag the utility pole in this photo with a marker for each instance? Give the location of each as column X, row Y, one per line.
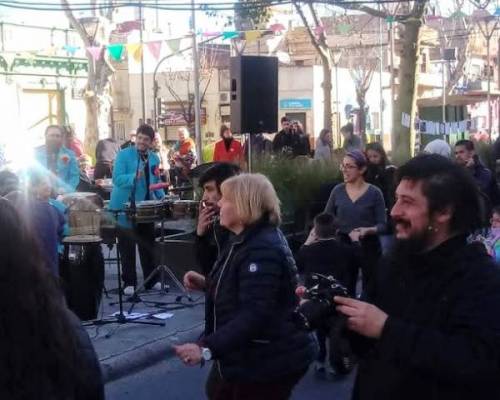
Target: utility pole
column 196, row 73
column 393, row 82
column 143, row 94
column 381, row 82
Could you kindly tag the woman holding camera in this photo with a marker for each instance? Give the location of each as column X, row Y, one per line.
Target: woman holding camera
column 258, row 351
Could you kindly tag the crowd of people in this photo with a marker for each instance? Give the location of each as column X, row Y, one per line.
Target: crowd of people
column 414, row 250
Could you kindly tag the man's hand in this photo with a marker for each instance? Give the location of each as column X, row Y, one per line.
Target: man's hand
column 355, row 235
column 363, row 318
column 205, row 218
column 189, row 354
column 194, row 281
column 312, row 238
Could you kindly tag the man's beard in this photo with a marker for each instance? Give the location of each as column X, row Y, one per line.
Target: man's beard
column 405, row 249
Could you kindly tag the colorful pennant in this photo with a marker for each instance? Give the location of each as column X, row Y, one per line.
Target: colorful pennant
column 173, row 45
column 115, row 51
column 71, row 50
column 95, row 52
column 230, row 35
column 252, row 36
column 135, row 50
column 154, row 48
column 277, row 28
column 344, row 29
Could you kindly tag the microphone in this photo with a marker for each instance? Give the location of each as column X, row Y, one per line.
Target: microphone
column 133, row 207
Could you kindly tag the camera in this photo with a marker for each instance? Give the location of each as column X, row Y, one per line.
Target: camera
column 319, row 305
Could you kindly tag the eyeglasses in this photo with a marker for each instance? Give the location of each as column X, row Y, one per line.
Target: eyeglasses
column 347, row 167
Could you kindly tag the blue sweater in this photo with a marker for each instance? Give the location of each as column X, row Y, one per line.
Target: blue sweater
column 365, row 212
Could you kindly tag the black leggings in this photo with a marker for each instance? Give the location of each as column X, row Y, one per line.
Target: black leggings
column 369, row 256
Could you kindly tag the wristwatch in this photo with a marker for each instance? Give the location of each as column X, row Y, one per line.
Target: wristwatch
column 206, row 354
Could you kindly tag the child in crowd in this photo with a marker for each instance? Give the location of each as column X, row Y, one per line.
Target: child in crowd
column 47, row 218
column 492, row 239
column 323, row 254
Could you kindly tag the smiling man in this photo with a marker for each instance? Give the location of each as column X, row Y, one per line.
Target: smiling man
column 429, row 328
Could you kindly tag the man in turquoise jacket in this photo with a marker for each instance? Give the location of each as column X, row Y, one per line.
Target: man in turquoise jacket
column 136, row 173
column 58, row 161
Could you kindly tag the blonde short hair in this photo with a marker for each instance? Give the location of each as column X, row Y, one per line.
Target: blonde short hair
column 254, row 197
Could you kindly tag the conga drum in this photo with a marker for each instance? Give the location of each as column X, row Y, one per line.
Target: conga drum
column 84, row 213
column 82, row 273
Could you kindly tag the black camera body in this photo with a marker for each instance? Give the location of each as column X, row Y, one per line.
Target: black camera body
column 319, row 305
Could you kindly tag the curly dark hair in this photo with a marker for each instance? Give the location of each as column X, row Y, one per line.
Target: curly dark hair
column 39, row 356
column 446, row 184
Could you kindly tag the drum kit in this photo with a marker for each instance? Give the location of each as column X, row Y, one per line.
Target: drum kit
column 92, row 223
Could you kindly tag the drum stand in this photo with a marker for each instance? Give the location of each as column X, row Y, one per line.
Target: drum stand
column 163, row 271
column 121, row 318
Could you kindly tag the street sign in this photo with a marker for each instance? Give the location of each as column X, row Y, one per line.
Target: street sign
column 295, row 104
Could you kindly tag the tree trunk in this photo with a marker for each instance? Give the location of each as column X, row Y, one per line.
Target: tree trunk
column 327, row 93
column 406, row 102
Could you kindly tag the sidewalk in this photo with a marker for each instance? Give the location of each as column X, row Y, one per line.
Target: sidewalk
column 126, row 348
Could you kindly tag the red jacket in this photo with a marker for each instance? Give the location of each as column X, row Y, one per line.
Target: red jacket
column 234, row 154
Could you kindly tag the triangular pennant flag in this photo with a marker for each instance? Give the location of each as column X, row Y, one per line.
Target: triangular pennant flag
column 252, row 36
column 155, row 48
column 458, row 15
column 51, row 51
column 95, row 52
column 230, row 35
column 209, row 34
column 135, row 50
column 319, row 30
column 71, row 50
column 173, row 45
column 343, row 29
column 276, row 28
column 115, row 50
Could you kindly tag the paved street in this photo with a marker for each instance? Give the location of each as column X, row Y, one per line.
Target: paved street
column 170, row 380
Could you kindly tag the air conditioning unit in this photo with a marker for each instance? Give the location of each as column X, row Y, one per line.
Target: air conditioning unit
column 224, row 98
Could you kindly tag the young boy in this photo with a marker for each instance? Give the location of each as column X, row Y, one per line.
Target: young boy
column 322, row 253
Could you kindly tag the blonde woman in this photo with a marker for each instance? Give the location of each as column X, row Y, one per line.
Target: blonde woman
column 258, row 351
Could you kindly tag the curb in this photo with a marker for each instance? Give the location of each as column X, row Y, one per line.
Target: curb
column 118, row 366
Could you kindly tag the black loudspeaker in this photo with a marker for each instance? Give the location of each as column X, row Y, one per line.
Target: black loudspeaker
column 254, row 94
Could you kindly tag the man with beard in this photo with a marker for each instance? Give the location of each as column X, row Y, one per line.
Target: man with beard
column 210, row 236
column 228, row 149
column 429, row 328
column 285, row 140
column 58, row 161
column 465, row 155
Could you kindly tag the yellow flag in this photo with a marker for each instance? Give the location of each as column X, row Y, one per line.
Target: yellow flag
column 252, row 36
column 135, row 50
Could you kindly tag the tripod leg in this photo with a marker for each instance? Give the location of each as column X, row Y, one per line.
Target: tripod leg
column 178, row 283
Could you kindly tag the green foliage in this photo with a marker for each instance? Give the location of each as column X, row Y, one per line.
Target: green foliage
column 298, row 181
column 249, row 11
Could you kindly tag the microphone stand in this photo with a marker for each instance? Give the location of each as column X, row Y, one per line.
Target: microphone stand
column 120, row 318
column 133, row 207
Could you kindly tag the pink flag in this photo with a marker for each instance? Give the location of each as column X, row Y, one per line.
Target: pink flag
column 95, row 52
column 319, row 30
column 155, row 48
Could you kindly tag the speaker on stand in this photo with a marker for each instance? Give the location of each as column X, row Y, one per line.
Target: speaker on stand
column 254, row 96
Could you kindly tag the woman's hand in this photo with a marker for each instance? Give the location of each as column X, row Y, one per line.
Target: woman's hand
column 359, row 233
column 189, row 353
column 194, row 281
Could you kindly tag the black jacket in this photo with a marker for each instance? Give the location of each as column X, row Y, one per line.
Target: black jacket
column 250, row 300
column 442, row 337
column 329, row 257
column 209, row 246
